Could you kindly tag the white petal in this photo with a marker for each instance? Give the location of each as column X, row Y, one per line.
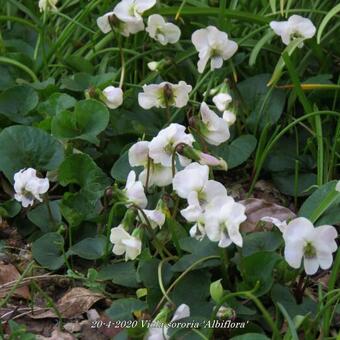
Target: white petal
column 293, row 253
column 144, row 5
column 138, row 154
column 181, row 92
column 183, row 311
column 118, row 233
column 325, row 259
column 216, row 62
column 103, row 23
column 311, row 265
column 298, row 229
column 192, row 178
column 213, row 189
column 200, row 39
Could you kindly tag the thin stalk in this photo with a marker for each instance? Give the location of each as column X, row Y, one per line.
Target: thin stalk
column 180, row 277
column 4, row 60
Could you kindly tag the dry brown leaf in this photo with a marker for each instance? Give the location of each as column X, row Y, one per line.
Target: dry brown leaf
column 8, row 273
column 75, row 302
column 258, row 208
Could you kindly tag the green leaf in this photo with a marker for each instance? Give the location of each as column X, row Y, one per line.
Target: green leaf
column 261, row 241
column 16, row 109
column 148, row 272
column 24, row 147
column 122, row 309
column 121, row 168
column 258, row 267
column 47, row 251
column 285, row 182
column 10, row 208
column 280, row 64
column 238, row 151
column 193, row 290
column 326, row 20
column 80, row 169
column 89, row 118
column 122, row 274
column 79, row 64
column 322, row 199
column 56, row 103
column 41, row 216
column 257, row 48
column 91, row 248
column 281, row 294
column 265, row 104
column 80, row 82
column 291, row 325
column 198, row 250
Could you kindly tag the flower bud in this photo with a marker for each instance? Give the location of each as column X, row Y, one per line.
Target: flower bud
column 225, row 313
column 229, row 117
column 154, row 65
column 216, row 291
column 112, row 97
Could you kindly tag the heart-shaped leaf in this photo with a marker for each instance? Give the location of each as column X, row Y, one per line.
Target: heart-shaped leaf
column 25, row 146
column 88, row 119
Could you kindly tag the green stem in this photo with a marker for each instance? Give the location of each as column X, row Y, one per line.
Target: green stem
column 17, row 283
column 4, row 60
column 180, row 277
column 331, row 284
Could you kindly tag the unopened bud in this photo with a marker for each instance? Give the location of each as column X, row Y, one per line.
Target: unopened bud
column 226, row 313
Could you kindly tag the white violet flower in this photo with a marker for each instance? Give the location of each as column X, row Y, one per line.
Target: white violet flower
column 193, row 184
column 124, row 28
column 222, row 101
column 295, row 27
column 125, row 243
column 134, row 191
column 113, row 97
column 163, row 32
column 212, row 44
column 28, row 187
column 214, row 129
column 159, row 175
column 164, row 95
column 130, row 12
column 314, row 245
column 222, row 218
column 45, row 5
column 162, row 147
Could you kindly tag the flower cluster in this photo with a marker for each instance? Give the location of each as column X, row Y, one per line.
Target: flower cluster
column 167, row 159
